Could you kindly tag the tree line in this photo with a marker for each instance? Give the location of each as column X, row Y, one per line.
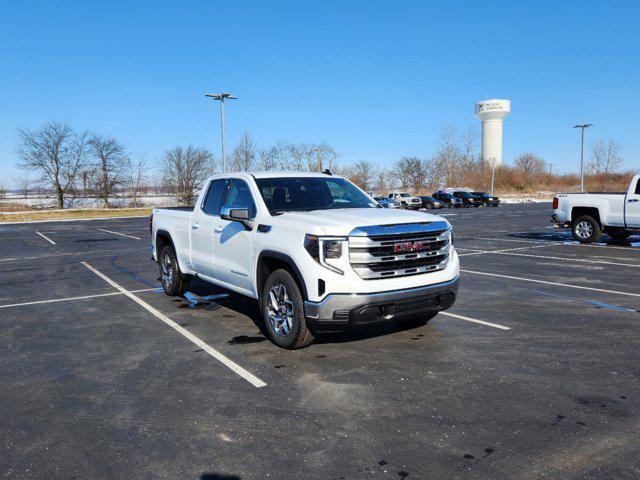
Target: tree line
column 74, row 163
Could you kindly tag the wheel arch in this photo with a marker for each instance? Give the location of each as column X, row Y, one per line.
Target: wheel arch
column 163, row 238
column 271, row 260
column 577, row 212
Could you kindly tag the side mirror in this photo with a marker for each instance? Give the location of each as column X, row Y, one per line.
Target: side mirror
column 237, row 214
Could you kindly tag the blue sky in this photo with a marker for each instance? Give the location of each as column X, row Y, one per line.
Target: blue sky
column 376, row 80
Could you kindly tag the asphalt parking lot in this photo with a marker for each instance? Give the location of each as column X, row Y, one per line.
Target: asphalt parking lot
column 534, row 373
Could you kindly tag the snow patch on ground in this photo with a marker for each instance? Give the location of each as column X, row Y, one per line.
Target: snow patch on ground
column 49, row 202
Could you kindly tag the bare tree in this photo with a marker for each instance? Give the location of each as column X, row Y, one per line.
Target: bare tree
column 605, row 157
column 531, row 165
column 409, row 172
column 55, row 152
column 110, row 167
column 268, row 159
column 135, row 177
column 244, row 155
column 446, row 161
column 364, row 174
column 384, row 181
column 320, row 157
column 3, row 189
column 185, row 169
column 25, row 184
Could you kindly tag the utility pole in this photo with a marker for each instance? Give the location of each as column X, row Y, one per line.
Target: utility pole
column 221, row 98
column 583, row 126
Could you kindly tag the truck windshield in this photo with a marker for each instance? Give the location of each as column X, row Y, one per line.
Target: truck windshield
column 304, row 194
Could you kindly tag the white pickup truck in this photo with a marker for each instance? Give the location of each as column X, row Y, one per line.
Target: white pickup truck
column 406, row 200
column 591, row 214
column 313, row 249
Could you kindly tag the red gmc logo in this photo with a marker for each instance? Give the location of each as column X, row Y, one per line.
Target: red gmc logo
column 408, row 246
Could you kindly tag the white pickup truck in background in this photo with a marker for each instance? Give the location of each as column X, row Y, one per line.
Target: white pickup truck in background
column 406, row 200
column 313, row 249
column 590, row 214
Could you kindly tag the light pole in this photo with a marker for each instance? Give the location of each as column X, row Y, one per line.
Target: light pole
column 583, row 126
column 221, row 98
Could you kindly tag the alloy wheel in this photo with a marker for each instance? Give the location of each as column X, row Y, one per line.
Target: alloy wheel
column 280, row 310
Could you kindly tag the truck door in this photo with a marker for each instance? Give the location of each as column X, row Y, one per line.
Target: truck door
column 632, row 205
column 233, row 244
column 205, row 217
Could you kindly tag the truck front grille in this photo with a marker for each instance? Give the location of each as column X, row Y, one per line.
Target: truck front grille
column 399, row 250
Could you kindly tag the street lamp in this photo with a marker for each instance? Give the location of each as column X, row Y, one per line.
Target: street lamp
column 221, row 98
column 583, row 126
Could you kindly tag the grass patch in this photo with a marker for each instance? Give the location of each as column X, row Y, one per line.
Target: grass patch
column 74, row 214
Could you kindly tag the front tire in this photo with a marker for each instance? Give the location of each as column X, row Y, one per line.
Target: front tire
column 283, row 311
column 586, row 229
column 174, row 283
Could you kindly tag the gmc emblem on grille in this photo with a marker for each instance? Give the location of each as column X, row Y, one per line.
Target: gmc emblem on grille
column 408, row 246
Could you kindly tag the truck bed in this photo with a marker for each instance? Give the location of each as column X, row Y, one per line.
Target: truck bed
column 188, row 208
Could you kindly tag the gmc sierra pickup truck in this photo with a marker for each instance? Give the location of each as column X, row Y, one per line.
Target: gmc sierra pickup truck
column 591, row 214
column 315, row 251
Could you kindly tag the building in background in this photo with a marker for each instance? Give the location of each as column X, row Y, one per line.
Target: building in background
column 492, row 113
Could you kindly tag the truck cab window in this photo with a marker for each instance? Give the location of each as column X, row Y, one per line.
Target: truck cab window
column 638, row 188
column 213, row 200
column 239, row 195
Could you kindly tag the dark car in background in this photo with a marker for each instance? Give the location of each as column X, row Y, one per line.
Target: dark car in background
column 447, row 199
column 468, row 199
column 430, row 202
column 387, row 202
column 488, row 200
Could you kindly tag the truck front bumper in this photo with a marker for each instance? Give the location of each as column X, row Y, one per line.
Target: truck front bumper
column 340, row 311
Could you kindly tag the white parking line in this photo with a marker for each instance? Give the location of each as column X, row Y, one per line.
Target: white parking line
column 474, row 320
column 563, row 259
column 65, row 254
column 511, row 277
column 117, row 233
column 557, row 242
column 69, row 299
column 249, row 377
column 483, row 252
column 46, row 238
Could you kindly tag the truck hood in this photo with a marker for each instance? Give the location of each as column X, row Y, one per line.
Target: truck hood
column 342, row 221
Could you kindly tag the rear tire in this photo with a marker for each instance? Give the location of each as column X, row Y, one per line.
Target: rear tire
column 586, row 229
column 174, row 283
column 283, row 311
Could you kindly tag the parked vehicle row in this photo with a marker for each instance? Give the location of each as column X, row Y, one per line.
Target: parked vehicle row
column 439, row 199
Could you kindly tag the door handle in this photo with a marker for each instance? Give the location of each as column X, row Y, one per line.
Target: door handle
column 633, row 200
column 195, row 226
column 217, row 229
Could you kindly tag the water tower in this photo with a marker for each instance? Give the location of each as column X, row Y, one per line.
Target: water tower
column 492, row 113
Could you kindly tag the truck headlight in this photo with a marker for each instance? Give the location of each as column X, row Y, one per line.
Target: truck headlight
column 325, row 249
